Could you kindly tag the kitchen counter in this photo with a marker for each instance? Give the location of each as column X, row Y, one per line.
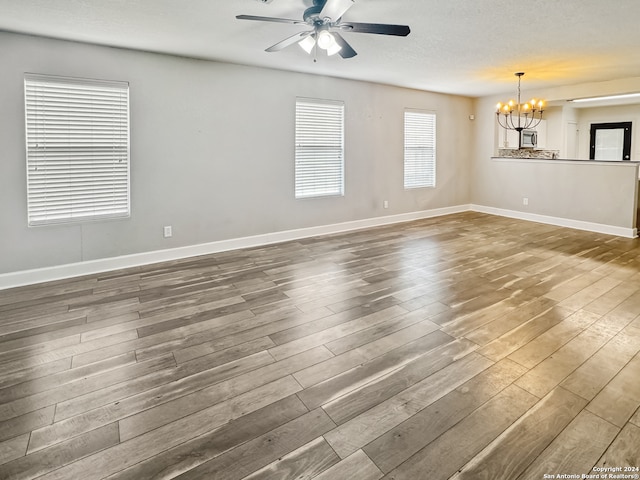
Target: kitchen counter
column 532, row 154
column 570, row 160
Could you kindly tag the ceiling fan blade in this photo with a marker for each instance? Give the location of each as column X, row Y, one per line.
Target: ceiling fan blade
column 378, row 28
column 346, row 51
column 268, row 19
column 288, row 41
column 334, row 9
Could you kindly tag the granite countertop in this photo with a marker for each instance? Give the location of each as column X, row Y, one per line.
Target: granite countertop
column 528, row 153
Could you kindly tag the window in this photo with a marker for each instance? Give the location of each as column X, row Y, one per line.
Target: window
column 319, row 168
column 77, row 134
column 419, row 149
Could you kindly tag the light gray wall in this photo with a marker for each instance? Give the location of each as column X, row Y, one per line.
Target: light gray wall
column 212, row 152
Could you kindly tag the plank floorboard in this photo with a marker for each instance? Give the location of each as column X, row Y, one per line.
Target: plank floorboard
column 381, row 388
column 512, row 452
column 49, row 459
column 80, row 386
column 354, row 466
column 597, row 371
column 379, row 367
column 575, row 449
column 394, row 447
column 444, row 456
column 623, row 451
column 353, row 358
column 305, row 462
column 13, row 448
column 523, row 335
column 69, row 346
column 33, row 373
column 548, row 374
column 258, row 453
column 360, row 430
column 55, row 380
column 128, row 453
column 620, row 398
column 192, row 453
column 553, row 339
column 465, row 346
column 27, row 422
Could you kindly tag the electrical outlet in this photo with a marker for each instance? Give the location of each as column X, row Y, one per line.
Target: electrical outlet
column 525, row 200
column 168, row 231
column 385, row 204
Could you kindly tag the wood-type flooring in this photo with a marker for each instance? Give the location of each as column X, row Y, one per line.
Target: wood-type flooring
column 467, row 346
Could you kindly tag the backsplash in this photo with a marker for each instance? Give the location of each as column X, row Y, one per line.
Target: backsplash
column 528, row 153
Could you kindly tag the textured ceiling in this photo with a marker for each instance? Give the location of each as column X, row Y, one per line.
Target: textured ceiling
column 466, row 47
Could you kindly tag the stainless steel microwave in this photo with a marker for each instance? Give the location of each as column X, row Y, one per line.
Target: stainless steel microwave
column 529, row 139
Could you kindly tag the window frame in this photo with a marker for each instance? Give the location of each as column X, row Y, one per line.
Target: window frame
column 309, row 181
column 416, row 175
column 77, row 149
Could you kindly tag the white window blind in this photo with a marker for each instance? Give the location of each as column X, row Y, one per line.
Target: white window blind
column 77, row 134
column 419, row 149
column 319, row 168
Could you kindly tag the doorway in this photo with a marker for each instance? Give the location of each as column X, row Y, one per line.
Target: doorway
column 610, row 141
column 572, row 140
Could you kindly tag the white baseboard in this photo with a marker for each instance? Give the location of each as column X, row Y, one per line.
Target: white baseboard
column 59, row 272
column 560, row 222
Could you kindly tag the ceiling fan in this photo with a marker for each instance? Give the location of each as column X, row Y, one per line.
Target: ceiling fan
column 325, row 20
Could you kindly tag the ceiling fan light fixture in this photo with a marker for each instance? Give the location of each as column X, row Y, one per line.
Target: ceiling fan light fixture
column 333, row 49
column 307, row 43
column 326, row 40
column 324, row 22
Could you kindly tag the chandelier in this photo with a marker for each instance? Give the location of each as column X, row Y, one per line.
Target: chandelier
column 519, row 116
